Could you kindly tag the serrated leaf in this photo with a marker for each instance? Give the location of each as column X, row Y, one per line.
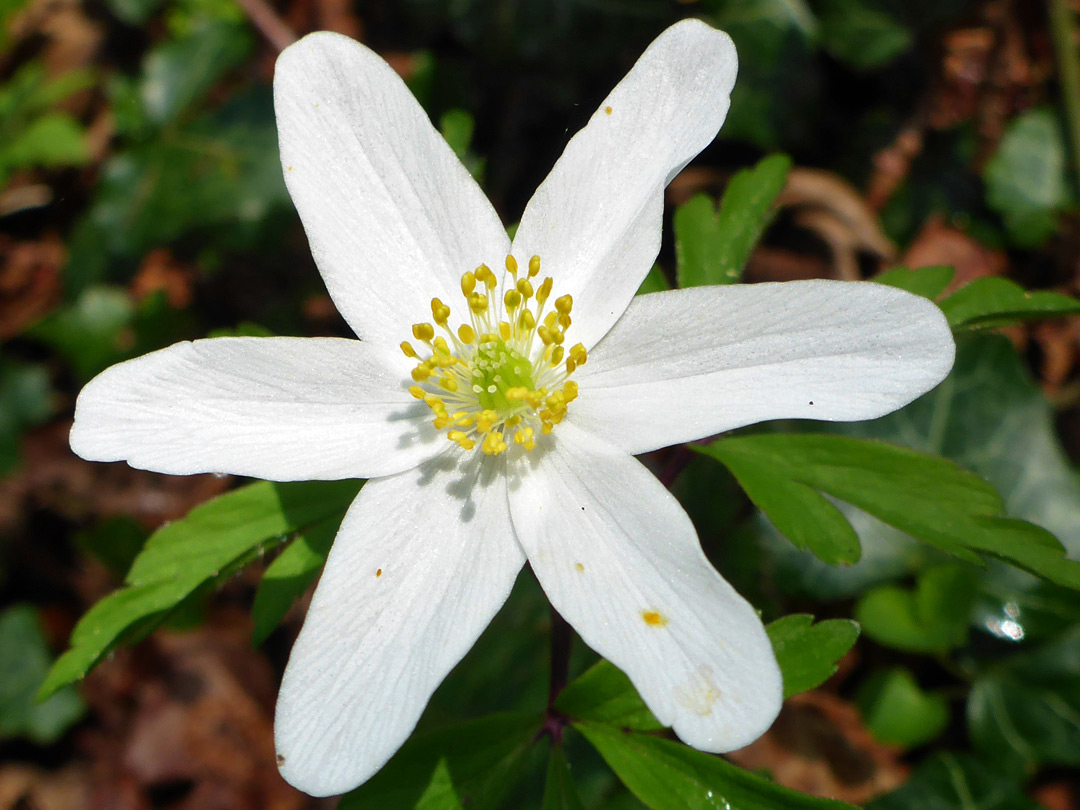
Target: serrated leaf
column 898, row 711
column 951, row 781
column 604, row 694
column 1028, row 706
column 713, row 246
column 481, row 759
column 214, row 540
column 289, row 576
column 995, row 301
column 931, row 618
column 666, row 775
column 929, row 282
column 560, row 792
column 929, row 498
column 806, row 652
column 24, row 660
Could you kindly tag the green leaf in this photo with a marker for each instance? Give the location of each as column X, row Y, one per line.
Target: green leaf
column 53, row 140
column 1028, row 706
column 806, row 652
column 559, row 790
column 289, row 576
column 929, row 282
column 932, row 618
column 180, row 71
column 1025, row 178
column 929, row 498
column 952, row 781
column 666, row 775
column 440, row 793
column 861, row 32
column 116, row 541
column 214, row 540
column 899, row 712
column 604, row 694
column 712, row 247
column 655, row 281
column 24, row 660
column 481, row 758
column 89, row 332
column 457, row 128
column 25, row 401
column 995, row 301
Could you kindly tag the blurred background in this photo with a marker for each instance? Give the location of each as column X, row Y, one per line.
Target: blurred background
column 141, row 203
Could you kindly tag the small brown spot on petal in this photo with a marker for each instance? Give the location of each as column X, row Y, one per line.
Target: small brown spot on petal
column 378, row 572
column 280, row 760
column 654, row 619
column 607, row 110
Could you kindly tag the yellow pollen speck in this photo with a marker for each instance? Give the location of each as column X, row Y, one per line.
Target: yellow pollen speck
column 607, row 110
column 654, row 619
column 579, row 566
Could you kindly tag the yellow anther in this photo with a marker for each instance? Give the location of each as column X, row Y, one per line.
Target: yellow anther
column 564, row 303
column 578, row 354
column 478, row 303
column 556, row 355
column 534, row 266
column 511, row 264
column 408, row 350
column 504, row 330
column 441, row 421
column 466, row 334
column 544, row 291
column 564, row 321
column 468, row 284
column 440, row 312
column 558, row 335
column 493, row 443
column 485, row 420
column 423, row 331
column 545, row 335
column 441, row 347
column 526, row 320
column 516, row 394
column 417, row 391
column 421, row 372
column 448, row 383
column 549, row 320
column 525, row 288
column 570, row 391
column 483, row 273
column 512, row 299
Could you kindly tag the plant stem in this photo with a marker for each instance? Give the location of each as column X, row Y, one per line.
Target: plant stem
column 269, row 23
column 1063, row 28
column 561, row 641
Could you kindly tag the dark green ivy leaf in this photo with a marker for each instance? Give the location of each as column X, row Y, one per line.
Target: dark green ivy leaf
column 898, row 711
column 214, row 540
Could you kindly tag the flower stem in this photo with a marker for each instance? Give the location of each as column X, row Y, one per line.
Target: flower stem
column 561, row 641
column 1063, row 28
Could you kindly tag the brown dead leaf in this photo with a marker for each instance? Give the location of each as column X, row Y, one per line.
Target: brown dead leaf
column 23, row 787
column 160, row 271
column 819, row 745
column 938, row 243
column 29, row 281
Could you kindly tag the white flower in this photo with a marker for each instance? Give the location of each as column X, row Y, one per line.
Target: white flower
column 429, row 550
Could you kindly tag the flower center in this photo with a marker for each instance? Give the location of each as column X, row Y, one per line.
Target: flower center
column 497, row 379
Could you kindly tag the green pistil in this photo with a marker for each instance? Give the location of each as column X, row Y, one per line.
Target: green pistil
column 499, row 367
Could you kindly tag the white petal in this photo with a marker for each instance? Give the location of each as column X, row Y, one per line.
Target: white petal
column 685, row 364
column 392, row 216
column 284, row 409
column 422, row 562
column 595, row 221
column 619, row 559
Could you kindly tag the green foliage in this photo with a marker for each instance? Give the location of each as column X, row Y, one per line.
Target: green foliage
column 929, row 498
column 559, row 790
column 214, row 540
column 24, row 660
column 655, row 281
column 32, row 134
column 668, row 776
column 457, row 127
column 480, row 759
column 898, row 711
column 1028, row 706
column 1025, row 178
column 950, row 781
column 806, row 652
column 25, row 401
column 931, row 618
column 713, row 246
column 290, row 575
column 603, row 694
column 862, row 33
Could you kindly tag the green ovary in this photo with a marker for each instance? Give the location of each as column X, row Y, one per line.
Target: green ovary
column 496, row 368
